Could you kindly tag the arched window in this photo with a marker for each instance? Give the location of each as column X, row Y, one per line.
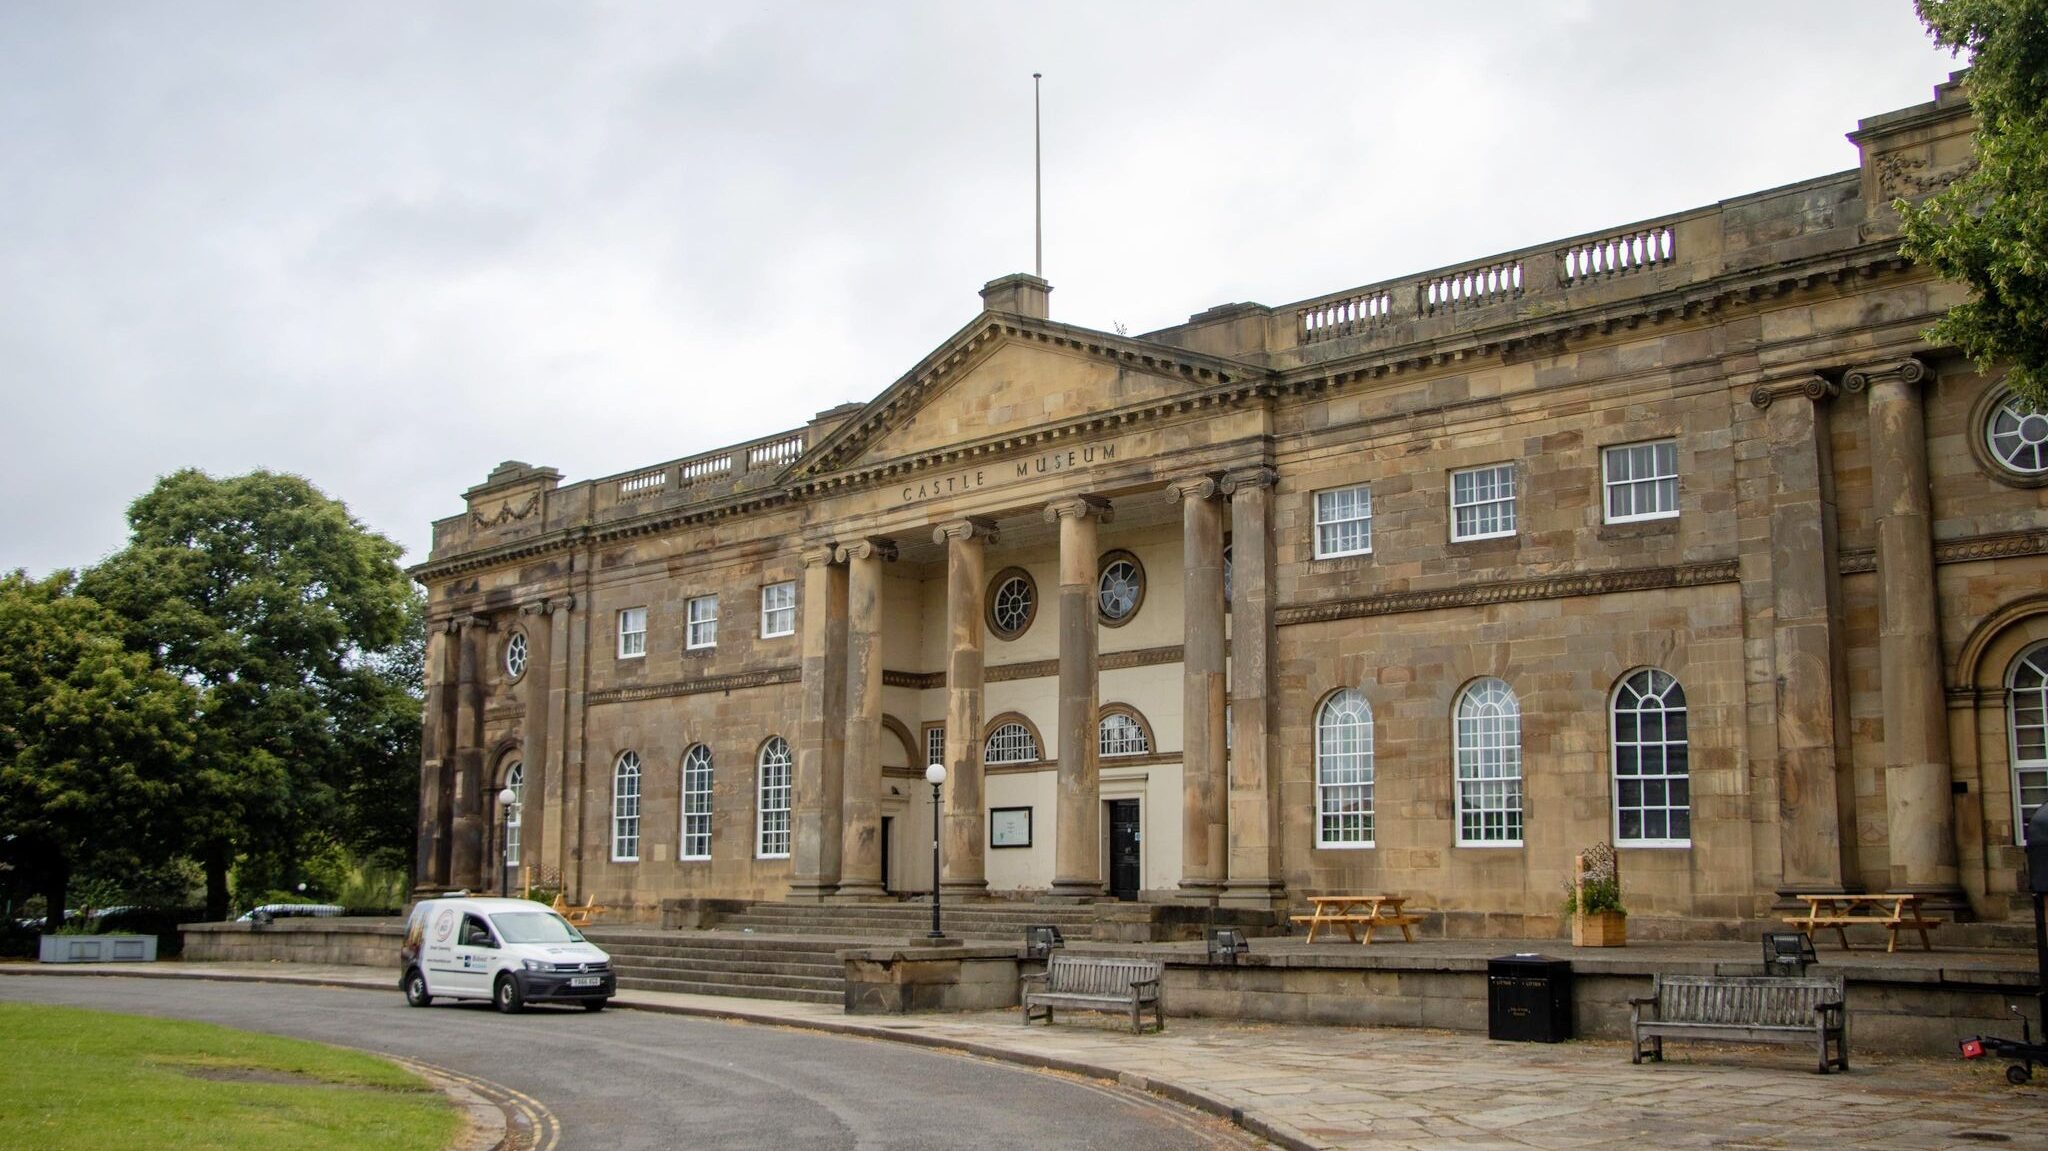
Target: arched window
column 1652, row 768
column 626, row 808
column 515, row 778
column 1344, row 771
column 697, row 803
column 2026, row 717
column 1121, row 733
column 1489, row 751
column 1010, row 743
column 771, row 825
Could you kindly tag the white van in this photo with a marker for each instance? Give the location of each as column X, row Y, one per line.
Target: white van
column 509, row 951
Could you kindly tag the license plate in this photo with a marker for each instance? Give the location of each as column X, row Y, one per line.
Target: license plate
column 586, row 981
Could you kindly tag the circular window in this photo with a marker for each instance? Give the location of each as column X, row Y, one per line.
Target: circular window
column 2017, row 434
column 1012, row 602
column 1120, row 588
column 515, row 655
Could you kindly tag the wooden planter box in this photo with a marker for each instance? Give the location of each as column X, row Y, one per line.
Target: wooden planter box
column 1600, row 929
column 98, row 949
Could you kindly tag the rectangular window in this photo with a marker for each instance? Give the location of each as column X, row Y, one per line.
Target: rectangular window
column 1344, row 522
column 633, row 633
column 778, row 610
column 703, row 622
column 1641, row 481
column 1483, row 502
column 935, row 744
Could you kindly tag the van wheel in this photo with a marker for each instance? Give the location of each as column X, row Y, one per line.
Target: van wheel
column 507, row 996
column 416, row 989
column 595, row 1004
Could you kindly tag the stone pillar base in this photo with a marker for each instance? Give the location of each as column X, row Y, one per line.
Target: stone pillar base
column 1199, row 890
column 857, row 893
column 1072, row 891
column 809, row 892
column 1262, row 895
column 1943, row 899
column 973, row 890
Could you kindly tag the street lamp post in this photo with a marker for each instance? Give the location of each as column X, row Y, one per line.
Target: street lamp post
column 506, row 796
column 936, row 776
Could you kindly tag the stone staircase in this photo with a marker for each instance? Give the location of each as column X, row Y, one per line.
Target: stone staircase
column 791, row 950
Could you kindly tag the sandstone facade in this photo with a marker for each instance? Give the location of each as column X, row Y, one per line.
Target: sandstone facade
column 1341, row 594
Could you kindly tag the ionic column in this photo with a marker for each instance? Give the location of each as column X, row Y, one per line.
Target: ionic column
column 560, row 815
column 1254, row 874
column 860, row 865
column 536, row 727
column 466, row 851
column 437, row 754
column 819, row 789
column 1919, row 810
column 1077, row 857
column 1802, row 635
column 963, row 862
column 1205, row 815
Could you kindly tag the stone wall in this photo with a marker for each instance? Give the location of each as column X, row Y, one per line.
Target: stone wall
column 354, row 942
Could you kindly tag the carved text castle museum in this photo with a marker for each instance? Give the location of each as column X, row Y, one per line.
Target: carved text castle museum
column 1677, row 535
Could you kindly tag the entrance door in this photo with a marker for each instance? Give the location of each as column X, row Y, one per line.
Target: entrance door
column 1126, row 874
column 888, row 849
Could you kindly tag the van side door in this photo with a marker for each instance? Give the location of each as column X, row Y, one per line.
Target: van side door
column 476, row 951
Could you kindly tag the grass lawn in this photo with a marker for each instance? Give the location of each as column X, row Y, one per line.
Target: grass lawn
column 90, row 1080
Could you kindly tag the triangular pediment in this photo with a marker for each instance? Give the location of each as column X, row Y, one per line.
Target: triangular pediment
column 1004, row 375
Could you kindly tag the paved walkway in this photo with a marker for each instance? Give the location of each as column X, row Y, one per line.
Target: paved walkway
column 1399, row 1089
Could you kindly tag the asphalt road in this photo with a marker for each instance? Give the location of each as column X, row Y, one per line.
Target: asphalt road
column 629, row 1080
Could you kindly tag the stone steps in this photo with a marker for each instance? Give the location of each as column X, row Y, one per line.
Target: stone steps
column 763, row 991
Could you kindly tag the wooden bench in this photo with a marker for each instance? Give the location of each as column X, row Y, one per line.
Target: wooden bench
column 1744, row 1008
column 1893, row 912
column 1352, row 912
column 1097, row 984
column 579, row 915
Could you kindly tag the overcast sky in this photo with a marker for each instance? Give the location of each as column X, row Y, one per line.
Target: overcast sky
column 386, row 246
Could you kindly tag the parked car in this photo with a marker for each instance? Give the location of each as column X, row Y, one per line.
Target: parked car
column 509, row 951
column 270, row 911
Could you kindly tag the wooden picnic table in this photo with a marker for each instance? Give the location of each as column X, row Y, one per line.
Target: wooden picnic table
column 1354, row 911
column 1891, row 911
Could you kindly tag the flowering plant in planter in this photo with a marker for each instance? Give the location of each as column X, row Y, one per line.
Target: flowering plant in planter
column 1593, row 899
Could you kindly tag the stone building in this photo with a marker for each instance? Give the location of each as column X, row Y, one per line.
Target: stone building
column 1677, row 535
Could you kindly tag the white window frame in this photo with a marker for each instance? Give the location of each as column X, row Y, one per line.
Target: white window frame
column 1130, row 740
column 1503, row 476
column 1663, row 744
column 1469, row 760
column 1030, row 744
column 1364, row 519
column 2035, row 657
column 1608, row 483
column 696, row 803
column 1330, row 796
column 935, row 745
column 633, row 633
column 2008, row 442
column 513, row 815
column 778, row 609
column 772, row 782
column 515, row 657
column 626, row 808
column 700, row 628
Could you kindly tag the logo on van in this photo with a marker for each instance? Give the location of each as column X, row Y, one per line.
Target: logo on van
column 445, row 925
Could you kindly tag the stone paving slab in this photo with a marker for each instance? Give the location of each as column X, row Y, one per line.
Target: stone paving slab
column 1407, row 1090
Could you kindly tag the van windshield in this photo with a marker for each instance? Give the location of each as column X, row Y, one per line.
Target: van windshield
column 534, row 927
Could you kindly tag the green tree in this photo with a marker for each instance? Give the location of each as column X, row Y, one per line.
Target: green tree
column 1989, row 230
column 378, row 726
column 271, row 600
column 94, row 741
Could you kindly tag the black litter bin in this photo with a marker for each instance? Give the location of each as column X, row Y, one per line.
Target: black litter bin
column 1529, row 998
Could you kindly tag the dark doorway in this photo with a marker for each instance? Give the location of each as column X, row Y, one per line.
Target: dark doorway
column 888, row 842
column 1126, row 874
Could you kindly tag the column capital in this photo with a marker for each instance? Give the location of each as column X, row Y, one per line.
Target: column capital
column 1813, row 387
column 1248, row 479
column 1079, row 507
column 1910, row 370
column 535, row 607
column 562, row 603
column 876, row 546
column 819, row 555
column 1195, row 487
column 968, row 528
column 475, row 621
